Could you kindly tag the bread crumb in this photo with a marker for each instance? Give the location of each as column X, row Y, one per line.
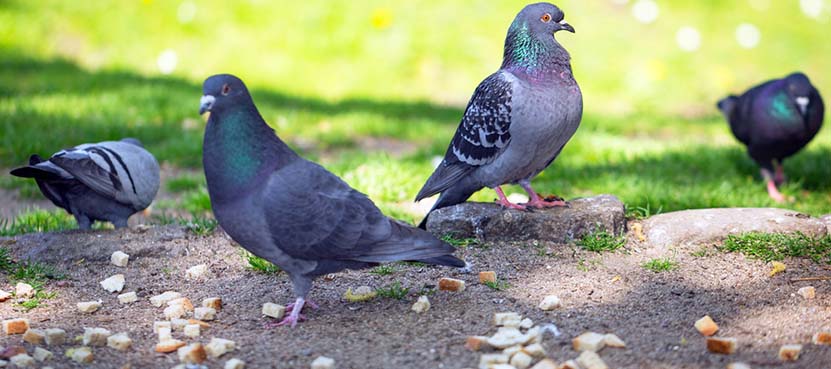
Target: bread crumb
column 213, row 302
column 169, row 346
column 724, row 346
column 161, row 324
column 127, row 298
column 273, row 310
column 822, row 338
column 706, row 326
column 526, row 323
column 41, row 354
column 22, row 361
column 738, row 366
column 119, row 259
column 196, row 272
column 451, row 284
column 204, row 313
column 507, row 319
column 173, row 312
column 15, row 326
column 165, row 334
column 192, row 330
column 234, row 364
column 521, row 360
column 421, row 305
column 162, row 299
column 612, row 340
column 119, row 341
column 23, row 290
column 96, row 336
column 55, row 336
column 589, row 341
column 323, row 362
column 88, row 307
column 545, row 364
column 534, row 350
column 34, row 336
column 476, row 343
column 219, row 346
column 789, row 352
column 81, row 355
column 114, row 283
column 486, row 360
column 192, row 354
column 591, row 360
column 550, row 303
column 807, row 292
column 487, row 277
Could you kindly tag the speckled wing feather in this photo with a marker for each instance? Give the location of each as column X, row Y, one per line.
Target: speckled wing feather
column 482, row 134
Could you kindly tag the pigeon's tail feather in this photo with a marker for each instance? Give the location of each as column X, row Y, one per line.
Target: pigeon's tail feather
column 445, row 176
column 446, row 260
column 409, row 243
column 452, row 196
column 33, row 170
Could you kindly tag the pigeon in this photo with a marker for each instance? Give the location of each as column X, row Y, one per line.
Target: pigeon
column 518, row 120
column 291, row 211
column 107, row 181
column 775, row 120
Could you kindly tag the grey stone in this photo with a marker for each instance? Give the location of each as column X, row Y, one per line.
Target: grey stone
column 696, row 227
column 490, row 222
column 827, row 220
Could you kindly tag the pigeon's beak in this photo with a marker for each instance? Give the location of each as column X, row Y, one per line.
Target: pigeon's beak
column 206, row 103
column 565, row 27
column 802, row 102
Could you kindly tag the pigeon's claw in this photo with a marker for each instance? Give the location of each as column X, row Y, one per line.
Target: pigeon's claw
column 306, row 303
column 290, row 320
column 542, row 204
column 503, row 200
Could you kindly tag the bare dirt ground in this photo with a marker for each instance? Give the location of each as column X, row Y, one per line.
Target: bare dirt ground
column 653, row 312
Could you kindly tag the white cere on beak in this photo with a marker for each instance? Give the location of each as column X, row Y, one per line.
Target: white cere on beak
column 803, row 102
column 563, row 21
column 206, row 100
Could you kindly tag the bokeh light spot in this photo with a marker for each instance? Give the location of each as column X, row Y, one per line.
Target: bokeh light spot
column 688, row 38
column 812, row 8
column 186, row 12
column 381, row 18
column 167, row 61
column 645, row 11
column 748, row 35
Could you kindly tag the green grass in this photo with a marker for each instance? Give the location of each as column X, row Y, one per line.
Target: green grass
column 38, row 221
column 498, row 285
column 385, row 269
column 259, row 264
column 460, row 242
column 650, row 132
column 601, row 241
column 660, row 265
column 393, row 291
column 33, row 273
column 777, row 246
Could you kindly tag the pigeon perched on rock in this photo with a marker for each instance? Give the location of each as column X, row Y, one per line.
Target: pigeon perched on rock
column 107, row 181
column 775, row 120
column 518, row 119
column 291, row 211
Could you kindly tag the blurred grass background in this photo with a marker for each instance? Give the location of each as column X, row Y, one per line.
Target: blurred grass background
column 375, row 89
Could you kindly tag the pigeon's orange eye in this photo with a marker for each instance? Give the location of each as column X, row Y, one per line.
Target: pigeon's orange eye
column 546, row 18
column 226, row 89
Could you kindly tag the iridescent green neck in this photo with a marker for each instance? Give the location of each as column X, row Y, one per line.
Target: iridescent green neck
column 240, row 157
column 531, row 55
column 782, row 110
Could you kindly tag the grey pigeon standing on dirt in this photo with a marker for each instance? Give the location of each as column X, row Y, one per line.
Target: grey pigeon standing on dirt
column 775, row 120
column 291, row 211
column 107, row 181
column 518, row 119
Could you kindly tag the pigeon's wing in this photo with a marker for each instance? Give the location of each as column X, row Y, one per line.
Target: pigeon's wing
column 45, row 173
column 816, row 111
column 101, row 169
column 483, row 134
column 312, row 214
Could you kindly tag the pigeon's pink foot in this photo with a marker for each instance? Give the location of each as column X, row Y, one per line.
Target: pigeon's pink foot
column 503, row 200
column 296, row 307
column 307, row 303
column 774, row 192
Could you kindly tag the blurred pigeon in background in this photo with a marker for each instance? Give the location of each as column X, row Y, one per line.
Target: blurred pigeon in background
column 290, row 211
column 518, row 119
column 775, row 120
column 107, row 181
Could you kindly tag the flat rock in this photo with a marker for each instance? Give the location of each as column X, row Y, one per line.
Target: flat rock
column 98, row 245
column 490, row 222
column 827, row 220
column 695, row 227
